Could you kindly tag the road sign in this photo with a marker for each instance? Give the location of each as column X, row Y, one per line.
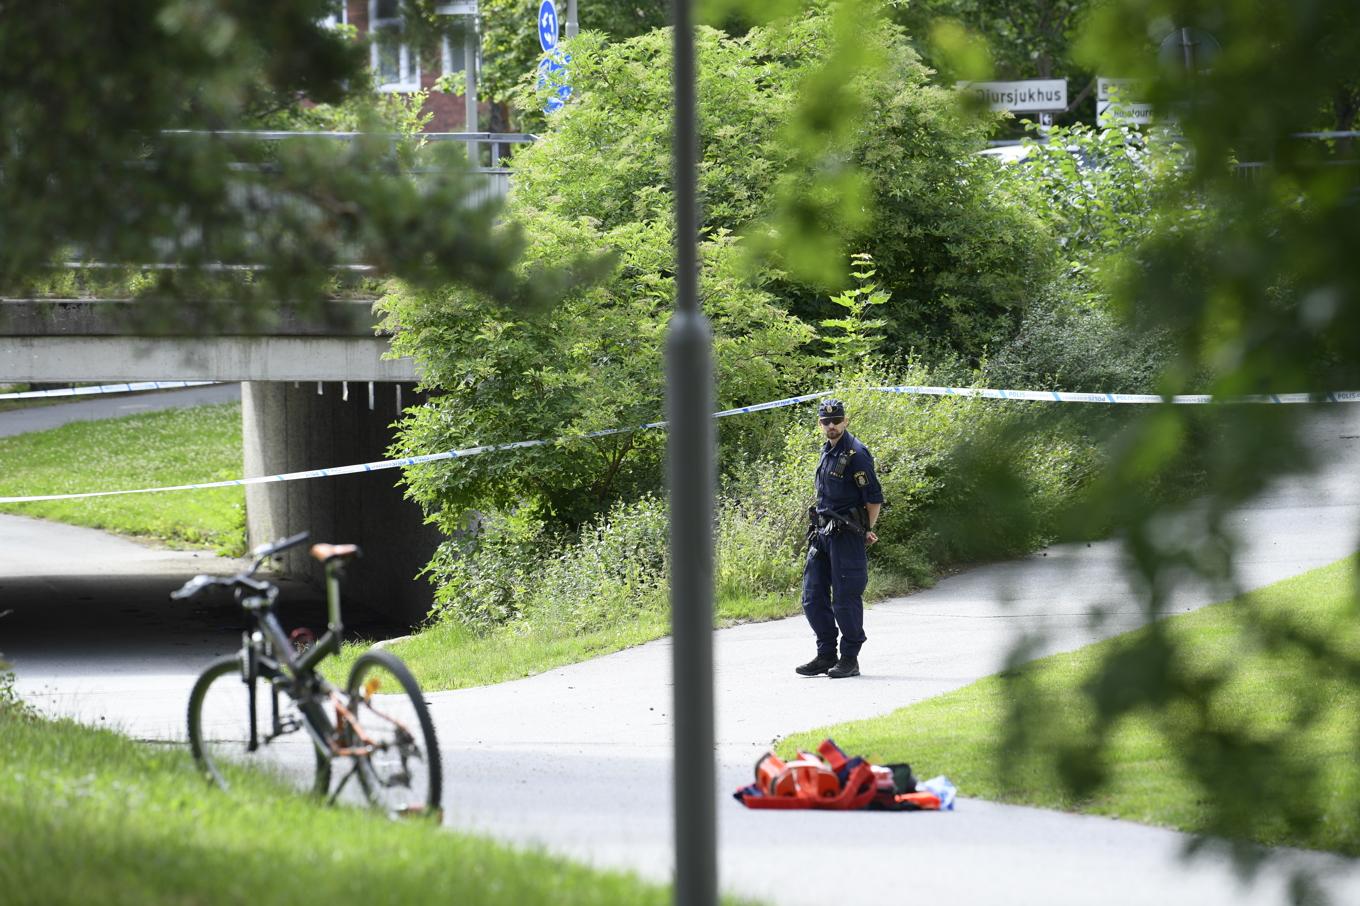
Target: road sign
column 1028, row 96
column 547, row 25
column 1189, row 50
column 553, row 73
column 1117, row 103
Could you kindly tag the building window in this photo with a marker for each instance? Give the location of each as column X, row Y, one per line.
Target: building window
column 338, row 15
column 453, row 54
column 396, row 65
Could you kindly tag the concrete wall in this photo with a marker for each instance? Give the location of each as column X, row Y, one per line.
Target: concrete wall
column 290, row 428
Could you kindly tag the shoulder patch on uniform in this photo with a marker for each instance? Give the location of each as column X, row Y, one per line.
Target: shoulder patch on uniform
column 861, row 478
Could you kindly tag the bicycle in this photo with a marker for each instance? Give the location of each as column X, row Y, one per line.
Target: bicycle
column 248, row 707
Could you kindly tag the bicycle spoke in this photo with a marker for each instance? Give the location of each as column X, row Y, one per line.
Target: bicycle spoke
column 391, row 737
column 220, row 731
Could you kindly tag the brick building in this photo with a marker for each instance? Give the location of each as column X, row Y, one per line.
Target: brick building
column 400, row 66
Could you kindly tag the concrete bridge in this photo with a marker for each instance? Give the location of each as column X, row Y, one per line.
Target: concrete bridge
column 316, row 392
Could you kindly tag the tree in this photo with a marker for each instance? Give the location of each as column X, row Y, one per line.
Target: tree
column 590, row 363
column 118, row 150
column 1259, row 293
column 510, row 48
column 599, row 181
column 802, row 185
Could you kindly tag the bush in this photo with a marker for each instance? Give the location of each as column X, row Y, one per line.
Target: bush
column 516, row 570
column 1066, row 344
column 933, row 459
column 11, row 705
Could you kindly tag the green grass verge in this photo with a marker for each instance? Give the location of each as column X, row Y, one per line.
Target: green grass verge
column 449, row 656
column 176, row 446
column 1267, row 688
column 89, row 816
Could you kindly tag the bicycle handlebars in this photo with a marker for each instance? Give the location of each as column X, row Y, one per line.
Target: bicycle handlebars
column 265, row 551
column 198, row 583
column 243, row 579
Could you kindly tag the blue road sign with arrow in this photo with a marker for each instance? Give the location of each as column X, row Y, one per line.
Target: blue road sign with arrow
column 547, row 25
column 552, row 73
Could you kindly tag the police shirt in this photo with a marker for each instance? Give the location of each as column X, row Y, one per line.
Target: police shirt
column 845, row 476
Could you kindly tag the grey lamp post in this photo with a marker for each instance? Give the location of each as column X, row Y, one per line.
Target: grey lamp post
column 689, row 405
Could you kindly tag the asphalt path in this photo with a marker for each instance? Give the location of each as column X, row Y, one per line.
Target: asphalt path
column 92, row 408
column 577, row 760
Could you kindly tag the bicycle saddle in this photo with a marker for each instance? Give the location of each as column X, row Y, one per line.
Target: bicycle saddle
column 328, row 552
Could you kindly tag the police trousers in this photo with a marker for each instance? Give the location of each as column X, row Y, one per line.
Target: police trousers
column 834, row 577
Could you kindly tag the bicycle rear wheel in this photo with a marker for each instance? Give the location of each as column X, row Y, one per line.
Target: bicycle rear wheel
column 399, row 762
column 220, row 736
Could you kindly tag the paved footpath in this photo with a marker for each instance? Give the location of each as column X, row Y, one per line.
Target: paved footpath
column 92, row 408
column 577, row 760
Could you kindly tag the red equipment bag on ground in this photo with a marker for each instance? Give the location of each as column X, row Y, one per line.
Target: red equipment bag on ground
column 832, row 780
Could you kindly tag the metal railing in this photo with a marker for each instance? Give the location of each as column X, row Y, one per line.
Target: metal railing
column 497, row 144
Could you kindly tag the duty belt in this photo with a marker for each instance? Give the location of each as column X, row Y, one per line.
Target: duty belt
column 827, row 522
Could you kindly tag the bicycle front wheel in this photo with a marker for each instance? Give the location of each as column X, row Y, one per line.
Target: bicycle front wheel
column 392, row 737
column 221, row 737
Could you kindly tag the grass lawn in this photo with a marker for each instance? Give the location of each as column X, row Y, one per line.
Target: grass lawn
column 1303, row 715
column 89, row 816
column 176, row 446
column 448, row 656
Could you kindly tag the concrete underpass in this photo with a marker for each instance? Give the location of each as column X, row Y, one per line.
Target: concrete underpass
column 315, row 393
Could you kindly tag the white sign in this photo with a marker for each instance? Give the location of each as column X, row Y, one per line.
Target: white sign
column 1117, row 103
column 1029, row 96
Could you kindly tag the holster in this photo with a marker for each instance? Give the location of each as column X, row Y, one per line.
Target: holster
column 829, row 522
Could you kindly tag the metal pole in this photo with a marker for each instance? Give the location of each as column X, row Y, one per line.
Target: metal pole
column 571, row 19
column 689, row 405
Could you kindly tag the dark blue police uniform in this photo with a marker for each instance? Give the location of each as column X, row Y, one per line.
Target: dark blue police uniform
column 837, row 562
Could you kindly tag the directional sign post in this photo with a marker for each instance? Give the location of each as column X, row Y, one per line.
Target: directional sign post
column 547, row 25
column 553, row 74
column 1029, row 96
column 552, row 68
column 1117, row 103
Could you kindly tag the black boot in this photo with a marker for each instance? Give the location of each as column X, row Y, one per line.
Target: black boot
column 820, row 664
column 848, row 665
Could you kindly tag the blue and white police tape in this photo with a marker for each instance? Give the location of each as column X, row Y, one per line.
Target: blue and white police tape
column 1061, row 396
column 104, row 389
column 1048, row 396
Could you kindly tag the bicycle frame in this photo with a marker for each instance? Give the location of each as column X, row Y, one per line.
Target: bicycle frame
column 300, row 672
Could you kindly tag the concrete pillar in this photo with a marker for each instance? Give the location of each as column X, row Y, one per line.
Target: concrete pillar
column 291, row 428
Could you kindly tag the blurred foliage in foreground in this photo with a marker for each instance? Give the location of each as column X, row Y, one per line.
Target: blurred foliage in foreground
column 122, row 148
column 1252, row 274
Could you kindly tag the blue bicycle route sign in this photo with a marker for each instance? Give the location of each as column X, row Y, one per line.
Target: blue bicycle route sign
column 547, row 25
column 553, row 74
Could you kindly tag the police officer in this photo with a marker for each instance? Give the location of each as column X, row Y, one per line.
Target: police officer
column 839, row 531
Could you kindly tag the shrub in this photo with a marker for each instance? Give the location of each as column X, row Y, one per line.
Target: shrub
column 1066, row 344
column 934, row 456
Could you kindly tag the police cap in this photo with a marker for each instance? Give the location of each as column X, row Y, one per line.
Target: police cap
column 831, row 408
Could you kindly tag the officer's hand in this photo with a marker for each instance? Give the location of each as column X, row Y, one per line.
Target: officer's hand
column 870, row 537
